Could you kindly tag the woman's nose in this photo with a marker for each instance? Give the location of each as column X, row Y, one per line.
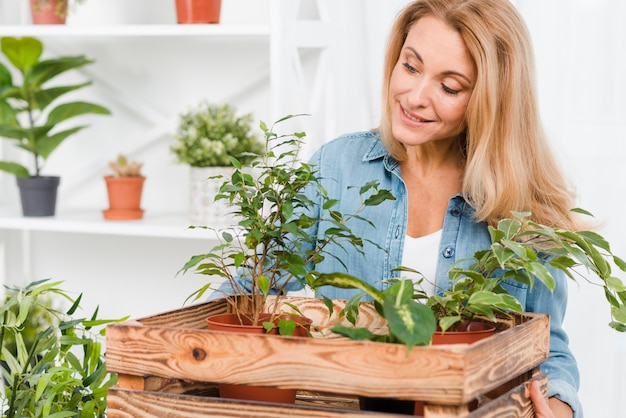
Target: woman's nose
column 420, row 93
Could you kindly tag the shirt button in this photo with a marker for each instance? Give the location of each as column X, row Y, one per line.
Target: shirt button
column 397, row 232
column 456, row 211
column 448, row 252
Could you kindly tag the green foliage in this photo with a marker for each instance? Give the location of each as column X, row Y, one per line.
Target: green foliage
column 272, row 244
column 59, row 373
column 29, row 113
column 409, row 321
column 209, row 135
column 520, row 250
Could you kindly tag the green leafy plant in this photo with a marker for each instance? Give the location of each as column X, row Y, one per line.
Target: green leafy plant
column 521, row 250
column 29, row 112
column 122, row 167
column 271, row 246
column 208, row 135
column 61, row 372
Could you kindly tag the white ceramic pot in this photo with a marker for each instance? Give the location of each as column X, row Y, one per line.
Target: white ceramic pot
column 203, row 209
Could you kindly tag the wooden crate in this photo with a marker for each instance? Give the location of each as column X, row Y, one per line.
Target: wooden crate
column 169, row 365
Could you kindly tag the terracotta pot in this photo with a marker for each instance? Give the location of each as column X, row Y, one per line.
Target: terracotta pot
column 475, row 331
column 48, row 12
column 124, row 197
column 230, row 323
column 198, row 11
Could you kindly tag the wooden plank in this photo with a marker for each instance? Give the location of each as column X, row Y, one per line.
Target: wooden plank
column 504, row 356
column 124, row 403
column 171, row 345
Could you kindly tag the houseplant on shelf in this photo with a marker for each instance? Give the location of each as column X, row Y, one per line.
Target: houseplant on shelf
column 266, row 249
column 124, row 189
column 206, row 137
column 50, row 11
column 61, row 371
column 31, row 116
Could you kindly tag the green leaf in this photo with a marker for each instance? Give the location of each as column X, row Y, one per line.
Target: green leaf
column 286, row 326
column 411, row 322
column 358, row 334
column 16, row 169
column 329, row 304
column 346, row 281
column 378, row 198
column 23, row 52
column 264, row 284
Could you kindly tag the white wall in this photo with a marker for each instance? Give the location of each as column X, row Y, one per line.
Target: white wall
column 581, row 59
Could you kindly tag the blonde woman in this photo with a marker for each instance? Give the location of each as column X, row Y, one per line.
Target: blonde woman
column 460, row 146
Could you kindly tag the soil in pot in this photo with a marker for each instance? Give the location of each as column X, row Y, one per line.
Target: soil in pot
column 472, row 332
column 230, row 322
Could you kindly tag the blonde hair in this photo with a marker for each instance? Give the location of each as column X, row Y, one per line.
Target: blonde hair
column 509, row 165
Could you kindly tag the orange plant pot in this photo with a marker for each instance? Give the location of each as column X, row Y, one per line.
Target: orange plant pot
column 124, row 197
column 229, row 322
column 48, row 12
column 198, row 11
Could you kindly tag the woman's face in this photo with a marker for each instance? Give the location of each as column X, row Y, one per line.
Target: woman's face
column 430, row 85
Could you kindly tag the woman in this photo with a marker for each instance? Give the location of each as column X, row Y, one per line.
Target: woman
column 460, row 146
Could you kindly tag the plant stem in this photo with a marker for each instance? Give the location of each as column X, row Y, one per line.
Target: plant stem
column 11, row 411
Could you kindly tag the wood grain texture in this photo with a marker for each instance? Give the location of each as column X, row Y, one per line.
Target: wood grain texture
column 124, row 403
column 175, row 345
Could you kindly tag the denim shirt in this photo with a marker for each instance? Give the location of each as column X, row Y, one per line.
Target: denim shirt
column 350, row 161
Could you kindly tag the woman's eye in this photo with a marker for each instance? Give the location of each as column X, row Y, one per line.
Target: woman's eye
column 409, row 67
column 448, row 90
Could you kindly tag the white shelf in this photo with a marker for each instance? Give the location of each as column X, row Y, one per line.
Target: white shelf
column 87, row 221
column 218, row 31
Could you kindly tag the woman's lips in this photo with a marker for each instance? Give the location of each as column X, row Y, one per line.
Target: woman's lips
column 414, row 118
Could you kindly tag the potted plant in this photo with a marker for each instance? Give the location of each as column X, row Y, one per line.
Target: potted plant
column 124, row 189
column 265, row 248
column 31, row 116
column 61, row 371
column 521, row 250
column 206, row 137
column 50, row 12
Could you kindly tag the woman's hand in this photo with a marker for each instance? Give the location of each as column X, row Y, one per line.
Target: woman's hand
column 552, row 408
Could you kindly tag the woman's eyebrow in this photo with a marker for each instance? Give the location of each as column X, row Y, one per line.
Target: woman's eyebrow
column 449, row 72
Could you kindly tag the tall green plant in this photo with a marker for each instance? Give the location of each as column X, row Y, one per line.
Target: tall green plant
column 61, row 373
column 272, row 245
column 29, row 112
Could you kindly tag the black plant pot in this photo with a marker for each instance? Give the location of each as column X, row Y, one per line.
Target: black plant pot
column 38, row 195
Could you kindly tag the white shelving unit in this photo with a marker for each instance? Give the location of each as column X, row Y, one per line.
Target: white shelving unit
column 216, row 31
column 300, row 59
column 154, row 225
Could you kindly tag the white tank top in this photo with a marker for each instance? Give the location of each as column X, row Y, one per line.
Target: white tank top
column 421, row 254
